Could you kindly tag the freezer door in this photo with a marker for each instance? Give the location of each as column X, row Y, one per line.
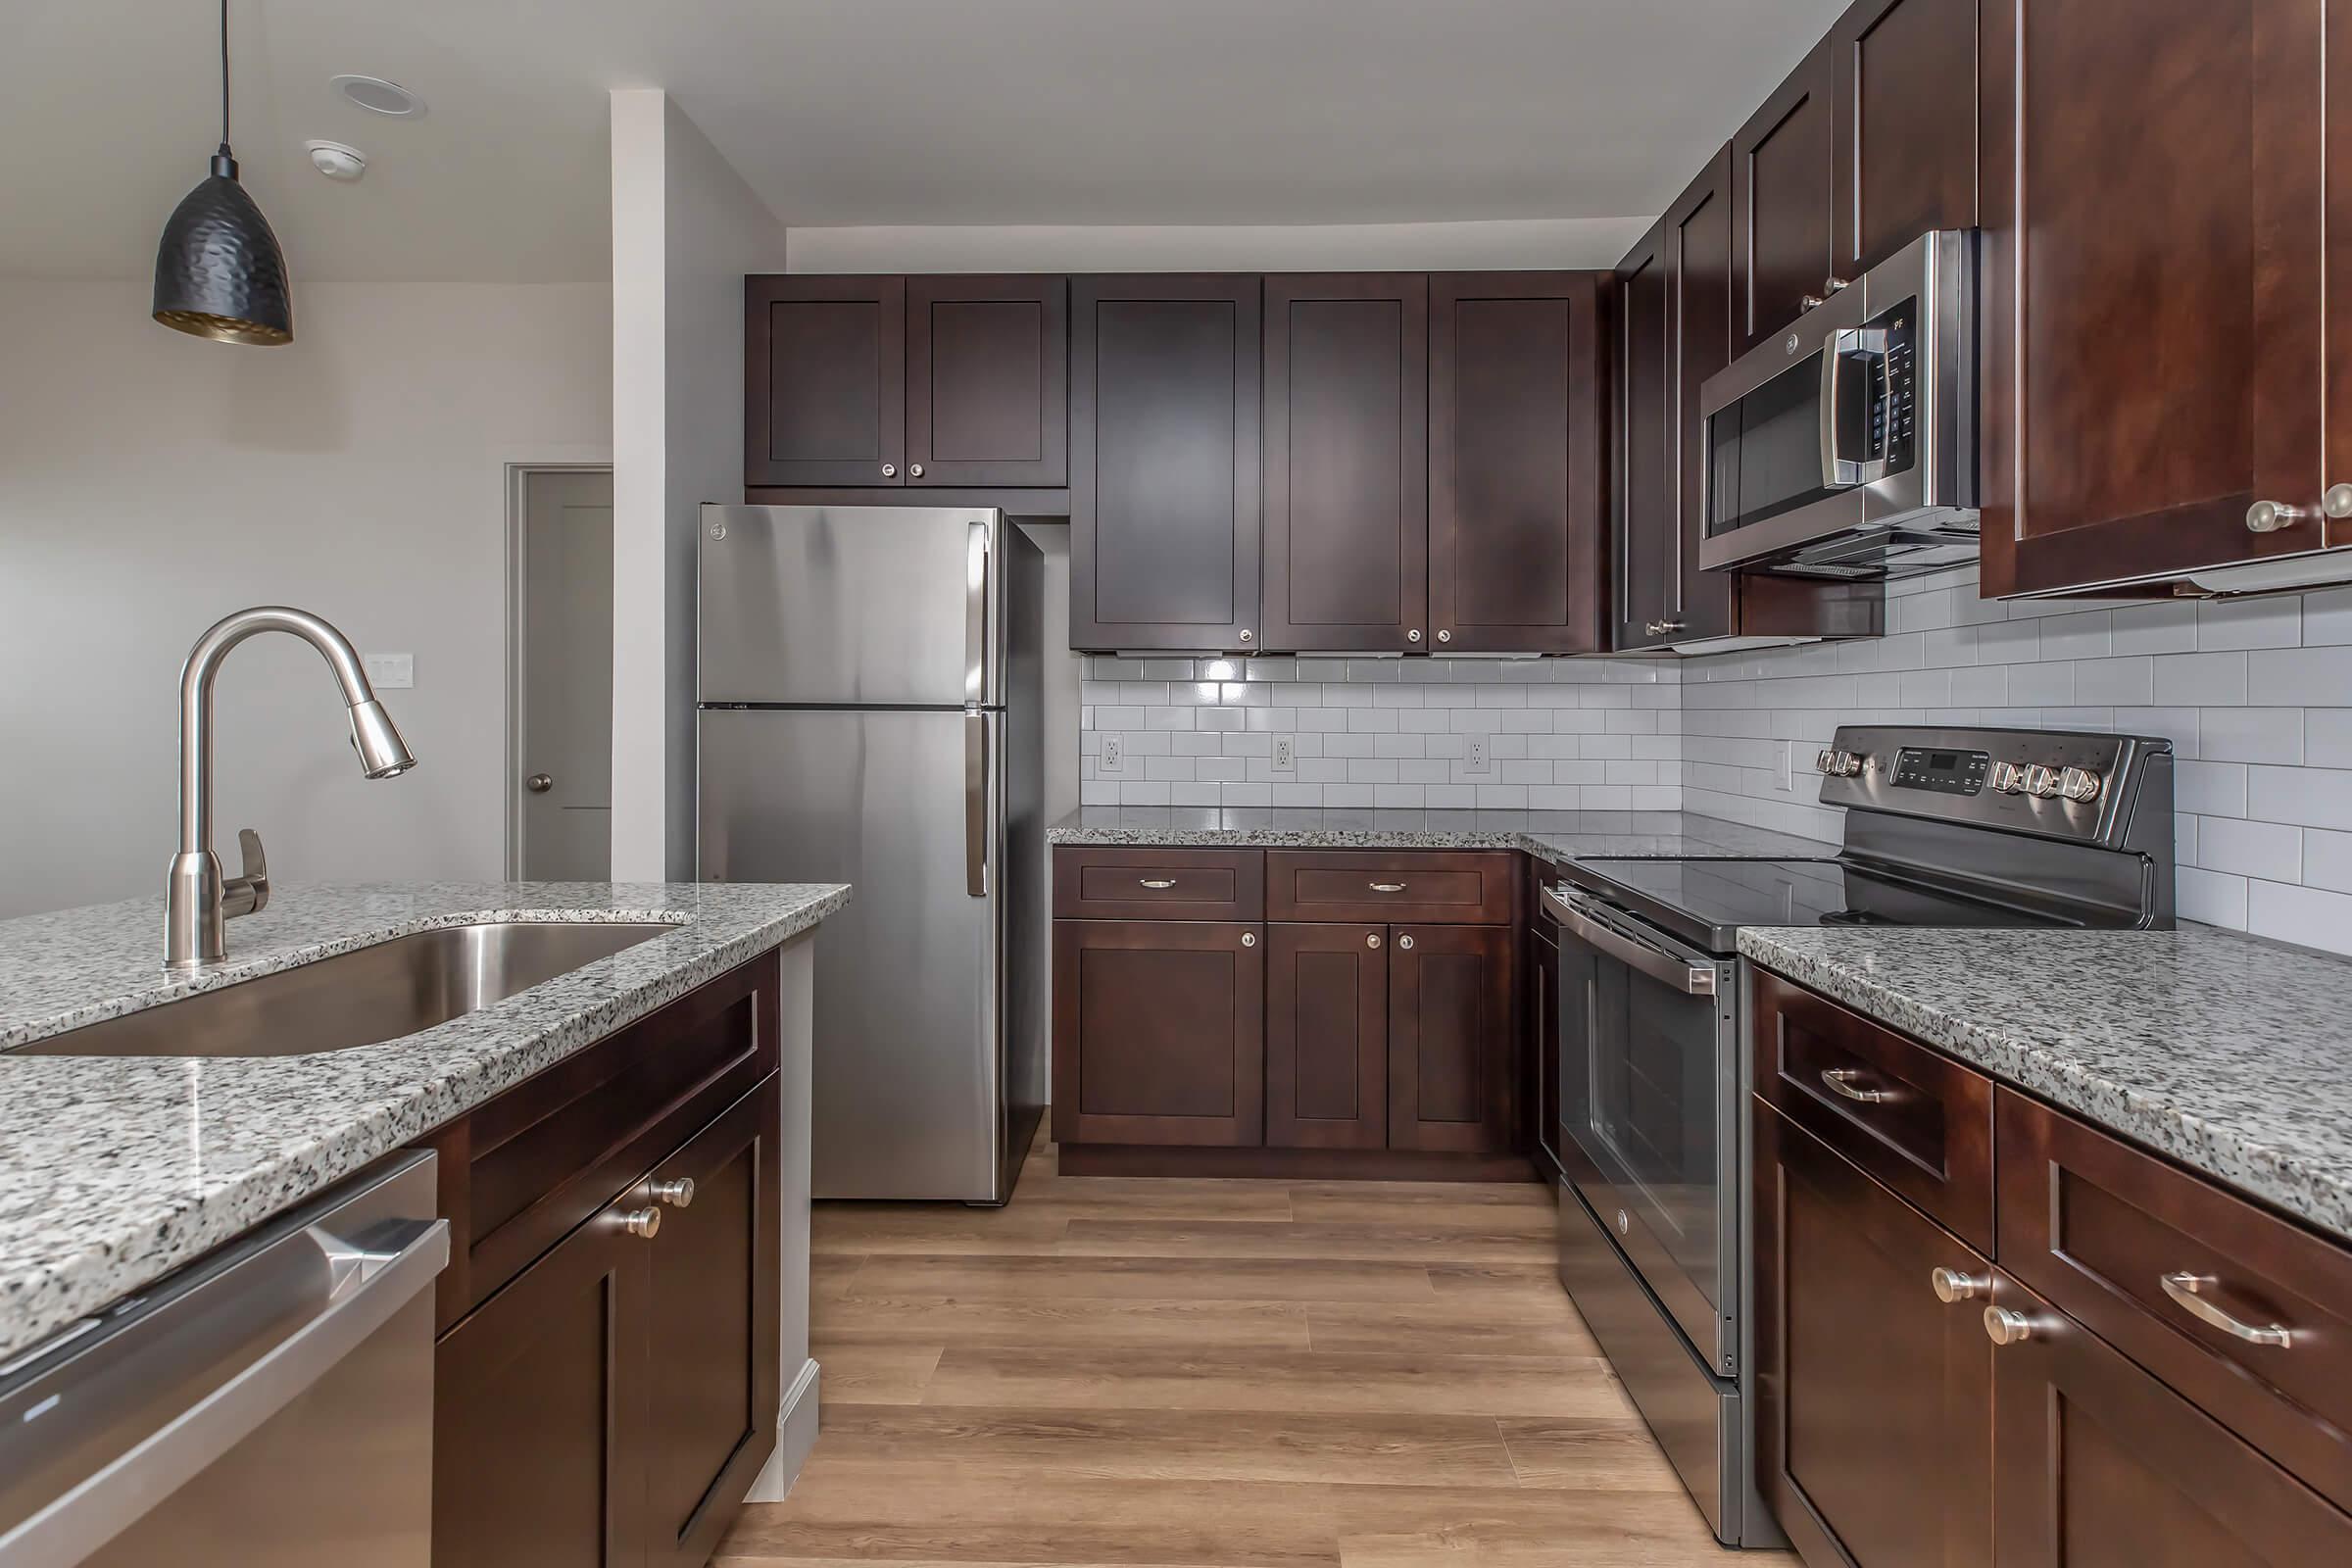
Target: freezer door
column 865, row 606
column 909, row 1060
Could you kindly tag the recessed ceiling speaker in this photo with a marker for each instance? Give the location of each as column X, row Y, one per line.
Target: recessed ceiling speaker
column 379, row 96
column 336, row 161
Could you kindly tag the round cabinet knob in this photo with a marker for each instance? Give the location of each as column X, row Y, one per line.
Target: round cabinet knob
column 1445, row 636
column 1625, row 1223
column 1249, row 939
column 2337, row 502
column 1834, row 285
column 1413, row 636
column 2269, row 516
column 2079, row 784
column 890, row 470
column 1407, row 943
column 677, row 1193
column 1809, row 301
column 1953, row 1285
column 645, row 1222
column 2004, row 1326
column 1670, row 625
column 539, row 783
column 2041, row 782
column 1372, row 941
column 2006, row 778
column 1247, row 636
column 915, row 471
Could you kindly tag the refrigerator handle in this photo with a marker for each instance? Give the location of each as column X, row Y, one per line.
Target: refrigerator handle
column 975, row 805
column 975, row 615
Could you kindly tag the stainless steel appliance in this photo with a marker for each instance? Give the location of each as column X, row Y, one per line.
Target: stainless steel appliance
column 1944, row 827
column 1846, row 446
column 872, row 696
column 269, row 1407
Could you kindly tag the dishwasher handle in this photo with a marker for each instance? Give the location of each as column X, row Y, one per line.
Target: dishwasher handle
column 1691, row 979
column 356, row 1282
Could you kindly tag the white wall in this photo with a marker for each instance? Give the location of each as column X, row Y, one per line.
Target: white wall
column 151, row 482
column 1236, row 248
column 685, row 230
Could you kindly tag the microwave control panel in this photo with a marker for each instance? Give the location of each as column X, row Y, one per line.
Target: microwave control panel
column 1893, row 419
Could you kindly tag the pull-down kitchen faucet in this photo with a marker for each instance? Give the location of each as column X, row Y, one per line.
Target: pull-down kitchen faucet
column 200, row 901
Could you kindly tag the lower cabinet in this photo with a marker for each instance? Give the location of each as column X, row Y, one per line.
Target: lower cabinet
column 1327, row 1035
column 1874, row 1408
column 1452, row 1026
column 1158, row 1033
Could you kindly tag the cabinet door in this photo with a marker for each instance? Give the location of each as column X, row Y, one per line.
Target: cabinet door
column 824, row 367
column 1906, row 126
column 1158, row 1033
column 1516, row 562
column 539, row 1411
column 2337, row 310
column 1347, row 462
column 2152, row 348
column 1327, row 1037
column 712, row 1345
column 1164, row 432
column 1453, row 1037
column 988, row 376
column 1781, row 170
column 2097, row 1462
column 1874, row 1397
column 1699, row 229
column 1644, row 502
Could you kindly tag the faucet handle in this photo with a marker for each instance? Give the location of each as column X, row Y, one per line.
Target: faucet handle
column 248, row 894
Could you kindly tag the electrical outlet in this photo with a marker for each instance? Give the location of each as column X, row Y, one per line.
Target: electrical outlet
column 1113, row 756
column 391, row 672
column 1784, row 767
column 1476, row 762
column 1284, row 760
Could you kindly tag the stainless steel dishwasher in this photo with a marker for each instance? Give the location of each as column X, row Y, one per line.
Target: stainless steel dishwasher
column 268, row 1405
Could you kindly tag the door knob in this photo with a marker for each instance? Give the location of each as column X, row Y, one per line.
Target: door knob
column 539, row 783
column 678, row 1191
column 2269, row 516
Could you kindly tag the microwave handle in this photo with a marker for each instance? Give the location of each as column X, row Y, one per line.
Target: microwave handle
column 1836, row 472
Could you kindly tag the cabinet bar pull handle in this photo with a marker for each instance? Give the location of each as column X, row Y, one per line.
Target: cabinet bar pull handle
column 1159, row 883
column 2187, row 1291
column 1388, row 886
column 1841, row 1082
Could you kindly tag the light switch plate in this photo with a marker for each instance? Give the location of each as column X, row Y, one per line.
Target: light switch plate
column 1476, row 762
column 389, row 671
column 1285, row 754
column 1113, row 755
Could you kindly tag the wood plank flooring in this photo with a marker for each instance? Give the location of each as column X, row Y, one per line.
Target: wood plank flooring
column 1216, row 1374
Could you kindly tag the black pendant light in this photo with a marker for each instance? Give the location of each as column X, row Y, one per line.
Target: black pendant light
column 219, row 272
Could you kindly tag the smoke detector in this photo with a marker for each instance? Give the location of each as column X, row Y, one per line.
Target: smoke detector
column 336, row 161
column 379, row 96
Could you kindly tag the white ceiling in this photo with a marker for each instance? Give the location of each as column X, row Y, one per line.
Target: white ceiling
column 866, row 111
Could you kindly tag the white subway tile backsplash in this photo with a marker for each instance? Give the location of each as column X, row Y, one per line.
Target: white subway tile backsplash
column 2163, row 629
column 2251, row 734
column 2269, row 849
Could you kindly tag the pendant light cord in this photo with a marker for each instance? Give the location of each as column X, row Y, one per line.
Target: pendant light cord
column 224, row 75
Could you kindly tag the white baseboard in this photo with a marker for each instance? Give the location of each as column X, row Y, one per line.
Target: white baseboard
column 796, row 1434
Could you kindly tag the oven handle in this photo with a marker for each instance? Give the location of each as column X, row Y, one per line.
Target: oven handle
column 1691, row 979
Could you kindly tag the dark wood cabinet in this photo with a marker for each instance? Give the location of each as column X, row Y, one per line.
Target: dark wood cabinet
column 824, row 367
column 1517, row 544
column 1164, row 454
column 1452, row 1038
column 1643, row 510
column 1874, row 1395
column 1327, row 1035
column 1781, row 192
column 1699, row 231
column 2096, row 1461
column 1905, row 115
column 1158, row 1033
column 1347, row 462
column 2154, row 358
column 987, row 367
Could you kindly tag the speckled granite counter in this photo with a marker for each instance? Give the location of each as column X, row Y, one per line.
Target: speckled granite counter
column 1570, row 834
column 2231, row 1054
column 116, row 1170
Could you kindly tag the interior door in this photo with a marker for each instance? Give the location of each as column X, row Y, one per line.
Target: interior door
column 908, row 1011
column 563, row 749
column 1347, row 462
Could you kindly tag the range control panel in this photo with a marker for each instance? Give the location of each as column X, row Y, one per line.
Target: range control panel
column 2062, row 784
column 1953, row 772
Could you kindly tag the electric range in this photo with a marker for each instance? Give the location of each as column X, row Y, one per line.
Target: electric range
column 1944, row 827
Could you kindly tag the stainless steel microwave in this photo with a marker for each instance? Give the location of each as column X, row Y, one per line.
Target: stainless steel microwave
column 1846, row 446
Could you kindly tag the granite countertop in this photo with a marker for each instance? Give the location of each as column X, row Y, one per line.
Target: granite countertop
column 2230, row 1054
column 117, row 1170
column 1571, row 835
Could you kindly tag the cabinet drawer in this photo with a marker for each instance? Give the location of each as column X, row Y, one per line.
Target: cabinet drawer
column 1429, row 887
column 2099, row 1228
column 1909, row 1115
column 519, row 1171
column 1151, row 884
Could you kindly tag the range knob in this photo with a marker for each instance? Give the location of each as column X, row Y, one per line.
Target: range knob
column 2041, row 782
column 2006, row 778
column 2079, row 784
column 1836, row 764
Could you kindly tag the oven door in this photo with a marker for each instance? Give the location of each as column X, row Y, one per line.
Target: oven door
column 1649, row 1105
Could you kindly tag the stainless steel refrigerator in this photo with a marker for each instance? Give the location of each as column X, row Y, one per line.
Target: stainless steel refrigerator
column 872, row 713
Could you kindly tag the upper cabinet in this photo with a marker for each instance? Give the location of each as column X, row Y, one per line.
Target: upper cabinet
column 1517, row 544
column 1781, row 186
column 2156, row 337
column 1904, row 109
column 890, row 381
column 1645, row 509
column 1347, row 462
column 1698, row 233
column 1164, row 493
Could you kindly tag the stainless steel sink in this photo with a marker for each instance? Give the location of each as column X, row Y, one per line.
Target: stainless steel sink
column 359, row 997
